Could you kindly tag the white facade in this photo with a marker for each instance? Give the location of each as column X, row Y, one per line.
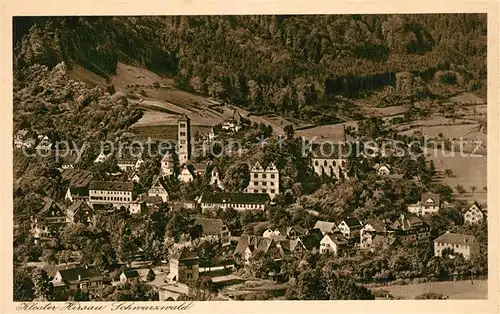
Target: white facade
column 184, row 139
column 115, row 197
column 474, row 215
column 327, row 245
column 264, row 180
column 101, row 158
column 330, row 166
column 215, row 179
column 167, row 165
column 185, row 175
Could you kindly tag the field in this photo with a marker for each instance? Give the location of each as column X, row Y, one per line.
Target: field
column 459, row 290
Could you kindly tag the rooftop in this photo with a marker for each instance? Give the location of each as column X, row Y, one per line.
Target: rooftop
column 111, row 186
column 455, row 238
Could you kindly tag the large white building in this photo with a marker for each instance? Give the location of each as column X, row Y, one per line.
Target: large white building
column 115, row 193
column 429, row 203
column 464, row 244
column 264, row 180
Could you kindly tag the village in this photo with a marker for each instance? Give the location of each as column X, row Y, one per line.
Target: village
column 234, row 263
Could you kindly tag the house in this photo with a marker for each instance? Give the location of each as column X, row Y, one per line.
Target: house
column 215, row 178
column 291, row 247
column 333, row 243
column 50, row 220
column 129, row 163
column 293, row 232
column 312, row 242
column 78, row 182
column 23, row 138
column 119, row 194
column 235, row 123
column 159, row 188
column 187, row 174
column 129, row 277
column 80, row 212
column 327, row 160
column 137, row 206
column 86, row 278
column 248, row 245
column 467, row 245
column 184, row 267
column 45, row 144
column 238, row 201
column 264, row 180
column 102, row 157
column 134, row 177
column 369, row 232
column 429, row 203
column 409, row 228
column 350, row 227
column 475, row 214
column 214, row 229
column 383, row 170
column 325, row 226
column 167, row 165
column 200, row 169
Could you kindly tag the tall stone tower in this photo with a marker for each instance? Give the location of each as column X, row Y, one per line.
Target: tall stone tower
column 184, row 138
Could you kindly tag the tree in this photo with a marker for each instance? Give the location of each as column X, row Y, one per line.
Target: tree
column 473, row 189
column 151, row 275
column 430, row 295
column 24, row 288
column 448, row 172
column 460, row 189
column 43, row 288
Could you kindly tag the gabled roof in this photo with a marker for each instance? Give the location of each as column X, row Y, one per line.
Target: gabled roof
column 167, row 157
column 325, row 226
column 408, row 221
column 477, row 205
column 77, row 177
column 436, row 198
column 131, row 273
column 377, row 225
column 210, row 226
column 183, row 117
column 48, row 203
column 159, row 183
column 22, row 133
column 78, row 205
column 352, row 222
column 254, row 243
column 455, row 238
column 88, row 273
column 311, row 241
column 337, row 238
column 111, row 186
column 183, row 255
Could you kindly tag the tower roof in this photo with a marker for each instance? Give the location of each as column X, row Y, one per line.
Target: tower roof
column 183, row 117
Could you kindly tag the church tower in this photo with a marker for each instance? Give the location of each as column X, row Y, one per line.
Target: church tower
column 184, row 138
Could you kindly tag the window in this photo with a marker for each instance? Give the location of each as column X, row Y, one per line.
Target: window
column 272, row 183
column 272, row 176
column 182, row 125
column 273, row 191
column 183, row 133
column 325, row 163
column 255, row 175
column 264, row 183
column 316, row 163
column 263, row 191
column 264, row 176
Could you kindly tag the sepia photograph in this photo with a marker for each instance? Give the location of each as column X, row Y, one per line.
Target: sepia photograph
column 249, row 157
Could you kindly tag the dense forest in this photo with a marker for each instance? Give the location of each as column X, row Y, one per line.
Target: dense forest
column 294, row 65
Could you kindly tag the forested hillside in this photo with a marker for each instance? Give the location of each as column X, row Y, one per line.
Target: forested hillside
column 295, row 65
